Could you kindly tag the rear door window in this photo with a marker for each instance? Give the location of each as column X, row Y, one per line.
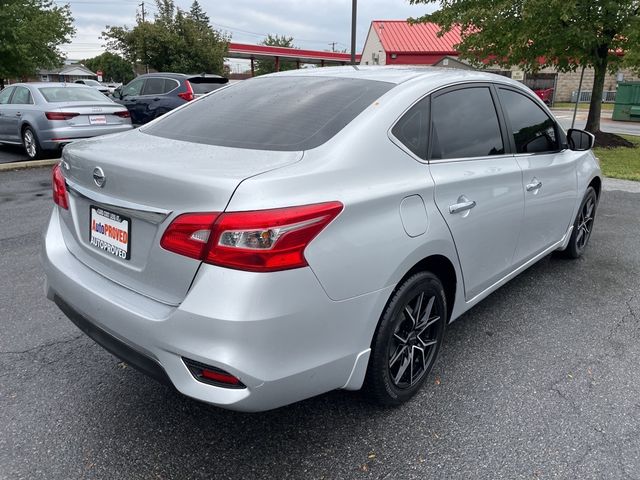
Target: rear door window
column 272, row 113
column 464, row 124
column 22, row 96
column 533, row 130
column 153, row 86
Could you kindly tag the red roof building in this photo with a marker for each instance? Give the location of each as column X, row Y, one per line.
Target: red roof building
column 397, row 42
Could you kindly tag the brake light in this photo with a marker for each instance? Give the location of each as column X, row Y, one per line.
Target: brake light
column 259, row 241
column 60, row 196
column 123, row 114
column 60, row 115
column 188, row 95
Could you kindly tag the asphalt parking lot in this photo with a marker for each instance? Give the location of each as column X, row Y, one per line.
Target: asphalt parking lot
column 541, row 380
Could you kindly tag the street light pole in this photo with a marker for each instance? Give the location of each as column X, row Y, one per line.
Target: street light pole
column 354, row 8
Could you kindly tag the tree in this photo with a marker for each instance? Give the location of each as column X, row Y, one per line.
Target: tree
column 534, row 34
column 176, row 41
column 30, row 33
column 113, row 67
column 269, row 66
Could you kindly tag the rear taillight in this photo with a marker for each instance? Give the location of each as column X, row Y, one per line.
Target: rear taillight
column 259, row 241
column 123, row 114
column 60, row 115
column 60, row 196
column 188, row 95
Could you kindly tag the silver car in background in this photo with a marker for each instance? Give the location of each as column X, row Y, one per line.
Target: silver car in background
column 45, row 116
column 312, row 230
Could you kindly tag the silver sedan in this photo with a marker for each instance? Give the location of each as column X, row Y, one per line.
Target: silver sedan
column 312, row 230
column 45, row 116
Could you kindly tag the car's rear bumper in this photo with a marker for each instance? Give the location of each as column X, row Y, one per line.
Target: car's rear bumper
column 56, row 137
column 278, row 333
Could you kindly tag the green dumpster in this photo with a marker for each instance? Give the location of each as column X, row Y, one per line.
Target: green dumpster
column 627, row 107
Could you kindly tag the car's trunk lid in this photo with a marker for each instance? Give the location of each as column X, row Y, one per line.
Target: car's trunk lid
column 148, row 181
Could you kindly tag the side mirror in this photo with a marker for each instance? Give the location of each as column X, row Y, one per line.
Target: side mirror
column 579, row 140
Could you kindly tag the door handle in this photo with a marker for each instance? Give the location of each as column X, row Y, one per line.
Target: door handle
column 534, row 185
column 463, row 205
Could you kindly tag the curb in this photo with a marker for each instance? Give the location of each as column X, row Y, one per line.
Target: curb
column 29, row 164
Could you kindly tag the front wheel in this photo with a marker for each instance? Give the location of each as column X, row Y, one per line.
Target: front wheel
column 407, row 341
column 583, row 225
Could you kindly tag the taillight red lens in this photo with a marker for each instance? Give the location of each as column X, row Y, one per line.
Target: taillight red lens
column 259, row 241
column 60, row 115
column 60, row 196
column 189, row 234
column 188, row 95
column 123, row 114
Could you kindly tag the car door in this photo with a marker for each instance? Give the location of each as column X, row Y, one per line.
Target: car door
column 5, row 97
column 130, row 98
column 548, row 172
column 478, row 183
column 151, row 98
column 20, row 104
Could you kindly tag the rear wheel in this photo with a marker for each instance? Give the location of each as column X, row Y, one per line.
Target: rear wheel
column 582, row 226
column 407, row 341
column 31, row 143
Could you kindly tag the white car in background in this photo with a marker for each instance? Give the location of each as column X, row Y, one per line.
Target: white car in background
column 94, row 84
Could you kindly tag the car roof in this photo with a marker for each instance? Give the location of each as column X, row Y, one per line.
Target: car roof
column 48, row 84
column 400, row 74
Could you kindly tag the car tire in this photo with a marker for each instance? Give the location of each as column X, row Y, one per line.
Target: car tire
column 407, row 340
column 31, row 144
column 582, row 226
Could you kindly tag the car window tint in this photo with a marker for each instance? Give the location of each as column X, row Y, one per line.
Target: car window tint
column 73, row 94
column 134, row 88
column 464, row 123
column 202, row 88
column 411, row 129
column 153, row 86
column 5, row 95
column 533, row 130
column 21, row 97
column 169, row 84
column 272, row 113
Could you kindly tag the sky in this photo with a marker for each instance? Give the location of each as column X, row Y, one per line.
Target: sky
column 312, row 24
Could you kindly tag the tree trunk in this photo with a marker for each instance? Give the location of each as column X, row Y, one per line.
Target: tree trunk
column 595, row 107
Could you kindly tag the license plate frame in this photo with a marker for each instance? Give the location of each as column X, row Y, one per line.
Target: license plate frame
column 109, row 236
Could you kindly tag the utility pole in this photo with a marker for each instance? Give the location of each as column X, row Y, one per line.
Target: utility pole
column 333, row 46
column 354, row 8
column 144, row 44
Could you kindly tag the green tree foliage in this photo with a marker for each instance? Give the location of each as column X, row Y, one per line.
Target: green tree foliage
column 114, row 67
column 176, row 41
column 30, row 33
column 269, row 66
column 538, row 33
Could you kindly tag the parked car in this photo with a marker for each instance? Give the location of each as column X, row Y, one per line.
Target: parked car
column 151, row 95
column 112, row 86
column 312, row 230
column 95, row 84
column 46, row 116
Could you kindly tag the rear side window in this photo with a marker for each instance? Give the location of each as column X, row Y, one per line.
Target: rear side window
column 464, row 123
column 72, row 94
column 272, row 113
column 22, row 96
column 202, row 88
column 533, row 130
column 412, row 129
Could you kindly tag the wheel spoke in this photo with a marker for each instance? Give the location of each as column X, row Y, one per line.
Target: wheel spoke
column 416, row 311
column 424, row 362
column 399, row 351
column 427, row 312
column 430, row 322
column 427, row 343
column 399, row 338
column 408, row 312
column 402, row 370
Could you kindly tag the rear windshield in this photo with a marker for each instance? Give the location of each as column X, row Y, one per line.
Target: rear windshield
column 202, row 88
column 272, row 113
column 72, row 94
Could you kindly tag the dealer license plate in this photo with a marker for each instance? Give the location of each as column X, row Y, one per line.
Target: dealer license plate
column 110, row 232
column 97, row 119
